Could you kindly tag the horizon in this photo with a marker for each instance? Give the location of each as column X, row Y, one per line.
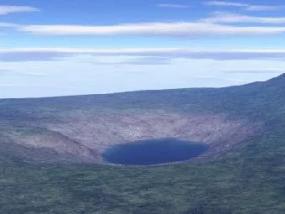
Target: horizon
column 138, row 91
column 59, row 48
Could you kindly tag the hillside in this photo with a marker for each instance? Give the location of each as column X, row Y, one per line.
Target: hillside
column 50, row 150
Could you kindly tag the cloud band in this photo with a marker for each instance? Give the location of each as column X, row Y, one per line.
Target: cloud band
column 48, row 54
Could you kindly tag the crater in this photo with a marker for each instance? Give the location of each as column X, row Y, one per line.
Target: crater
column 153, row 152
column 90, row 137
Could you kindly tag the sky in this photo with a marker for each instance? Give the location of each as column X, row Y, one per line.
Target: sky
column 75, row 47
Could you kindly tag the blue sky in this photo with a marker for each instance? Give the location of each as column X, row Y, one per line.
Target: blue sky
column 58, row 47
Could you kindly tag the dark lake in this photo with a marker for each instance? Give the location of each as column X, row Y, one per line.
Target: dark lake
column 149, row 152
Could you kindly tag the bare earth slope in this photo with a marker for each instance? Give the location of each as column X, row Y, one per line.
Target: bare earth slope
column 78, row 129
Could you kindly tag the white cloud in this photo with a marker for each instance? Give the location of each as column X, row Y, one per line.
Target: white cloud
column 21, row 73
column 153, row 29
column 8, row 25
column 177, row 6
column 239, row 18
column 264, row 71
column 226, row 4
column 262, row 7
column 150, row 54
column 85, row 77
column 7, row 9
column 248, row 7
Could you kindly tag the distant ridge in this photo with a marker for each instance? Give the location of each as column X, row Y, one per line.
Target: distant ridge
column 86, row 96
column 53, row 147
column 48, row 126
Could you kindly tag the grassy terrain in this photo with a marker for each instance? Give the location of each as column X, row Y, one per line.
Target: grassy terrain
column 248, row 180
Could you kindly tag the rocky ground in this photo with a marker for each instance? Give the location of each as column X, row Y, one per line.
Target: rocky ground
column 84, row 137
column 78, row 129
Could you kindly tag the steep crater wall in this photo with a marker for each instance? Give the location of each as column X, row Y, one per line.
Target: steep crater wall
column 94, row 133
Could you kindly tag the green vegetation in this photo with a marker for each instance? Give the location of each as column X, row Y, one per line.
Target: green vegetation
column 247, row 180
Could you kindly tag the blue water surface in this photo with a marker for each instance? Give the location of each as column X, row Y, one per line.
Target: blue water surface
column 150, row 152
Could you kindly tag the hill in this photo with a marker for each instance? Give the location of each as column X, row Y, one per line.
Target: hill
column 50, row 150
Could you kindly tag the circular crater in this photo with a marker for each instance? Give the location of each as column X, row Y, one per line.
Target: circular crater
column 152, row 152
